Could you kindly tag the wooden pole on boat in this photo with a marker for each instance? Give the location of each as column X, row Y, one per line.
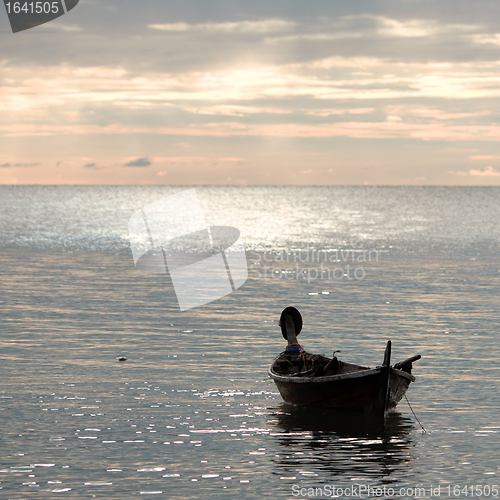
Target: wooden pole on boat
column 387, row 367
column 387, row 354
column 290, row 330
column 408, row 361
column 291, row 324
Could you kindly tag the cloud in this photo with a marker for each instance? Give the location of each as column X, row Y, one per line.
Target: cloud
column 488, row 171
column 330, row 112
column 39, row 92
column 241, row 27
column 432, row 113
column 415, row 28
column 484, row 157
column 487, row 39
column 437, row 131
column 225, row 82
column 12, row 165
column 181, row 159
column 375, row 27
column 411, row 28
column 312, row 37
column 61, row 27
column 139, row 162
column 236, row 110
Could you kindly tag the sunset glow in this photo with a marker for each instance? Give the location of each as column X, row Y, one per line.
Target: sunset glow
column 358, row 97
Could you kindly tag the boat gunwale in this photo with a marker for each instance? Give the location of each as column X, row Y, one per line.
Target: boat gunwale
column 333, row 378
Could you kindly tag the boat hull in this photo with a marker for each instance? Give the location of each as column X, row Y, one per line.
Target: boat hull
column 374, row 391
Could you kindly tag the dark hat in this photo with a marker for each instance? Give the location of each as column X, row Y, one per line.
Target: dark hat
column 297, row 320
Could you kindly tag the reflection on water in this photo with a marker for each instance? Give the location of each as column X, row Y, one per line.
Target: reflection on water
column 192, row 413
column 322, row 446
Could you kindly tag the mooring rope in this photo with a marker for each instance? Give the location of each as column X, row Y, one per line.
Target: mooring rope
column 423, row 430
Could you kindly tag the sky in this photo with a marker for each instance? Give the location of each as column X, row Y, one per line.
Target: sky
column 324, row 92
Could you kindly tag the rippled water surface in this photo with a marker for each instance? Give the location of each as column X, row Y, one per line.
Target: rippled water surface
column 192, row 413
column 269, row 217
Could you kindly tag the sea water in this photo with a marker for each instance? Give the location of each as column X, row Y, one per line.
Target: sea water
column 191, row 413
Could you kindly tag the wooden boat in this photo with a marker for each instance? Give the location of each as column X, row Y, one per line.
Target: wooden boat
column 319, row 382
